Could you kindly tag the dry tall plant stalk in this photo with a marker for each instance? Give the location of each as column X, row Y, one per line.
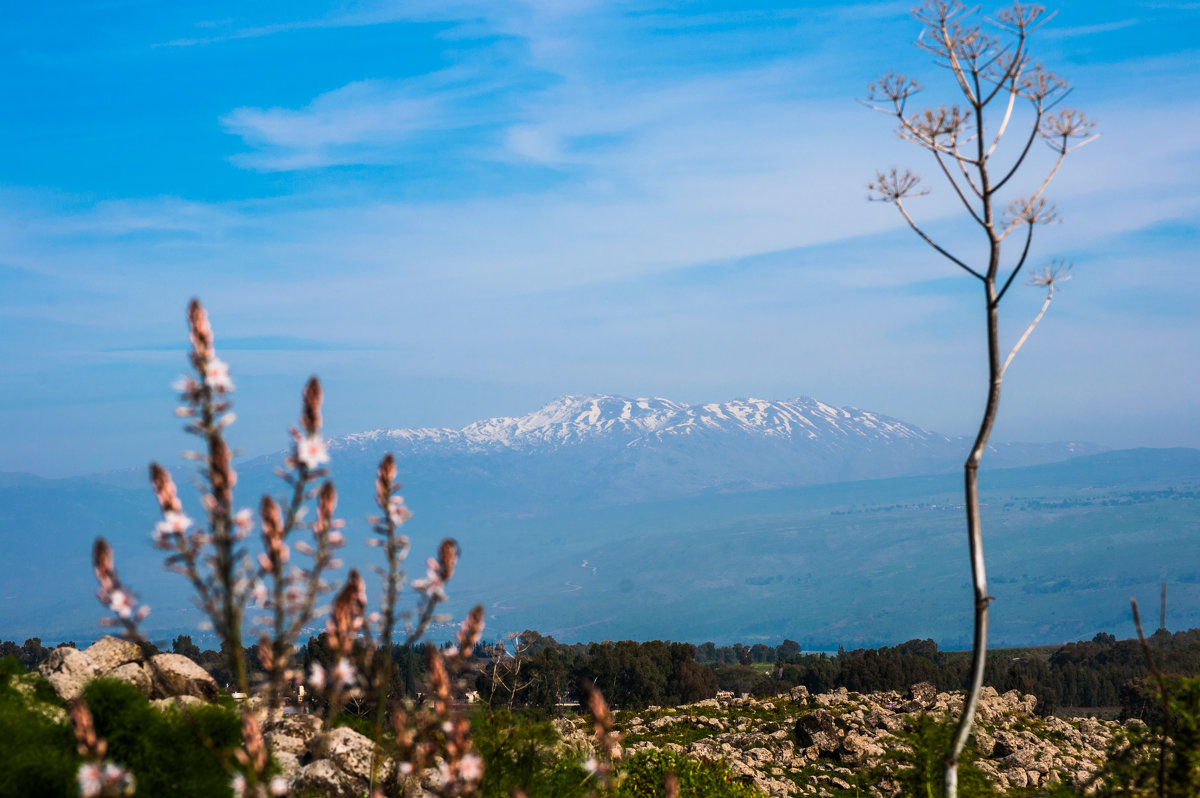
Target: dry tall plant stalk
column 991, row 71
column 228, row 581
column 1163, row 695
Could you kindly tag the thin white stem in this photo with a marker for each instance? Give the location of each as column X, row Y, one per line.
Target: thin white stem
column 1028, row 330
column 1020, row 218
column 1012, row 101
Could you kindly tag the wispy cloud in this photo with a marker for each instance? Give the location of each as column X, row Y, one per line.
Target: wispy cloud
column 1088, row 30
column 597, row 197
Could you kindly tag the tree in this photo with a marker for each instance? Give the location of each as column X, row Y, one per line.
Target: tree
column 788, row 649
column 991, row 71
column 183, row 645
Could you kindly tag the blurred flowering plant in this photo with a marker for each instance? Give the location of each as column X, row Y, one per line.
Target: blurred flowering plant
column 228, row 581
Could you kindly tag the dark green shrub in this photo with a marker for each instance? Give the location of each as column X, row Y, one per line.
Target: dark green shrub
column 1139, row 765
column 37, row 755
column 645, row 773
column 921, row 772
column 173, row 754
column 522, row 753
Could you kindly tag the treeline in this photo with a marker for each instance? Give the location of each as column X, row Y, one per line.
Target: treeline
column 1102, row 672
column 535, row 671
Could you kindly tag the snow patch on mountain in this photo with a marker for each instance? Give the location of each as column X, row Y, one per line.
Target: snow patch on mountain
column 620, row 421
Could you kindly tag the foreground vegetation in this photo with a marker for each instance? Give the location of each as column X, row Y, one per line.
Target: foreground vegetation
column 839, row 743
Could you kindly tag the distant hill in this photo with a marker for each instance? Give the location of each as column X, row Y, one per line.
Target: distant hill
column 602, row 517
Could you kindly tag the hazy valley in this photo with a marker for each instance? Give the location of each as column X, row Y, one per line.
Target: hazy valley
column 606, row 518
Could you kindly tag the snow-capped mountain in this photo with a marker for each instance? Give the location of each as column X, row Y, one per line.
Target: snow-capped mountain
column 640, row 422
column 600, row 449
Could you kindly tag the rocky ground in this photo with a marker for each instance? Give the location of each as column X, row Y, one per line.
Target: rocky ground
column 815, row 745
column 791, row 745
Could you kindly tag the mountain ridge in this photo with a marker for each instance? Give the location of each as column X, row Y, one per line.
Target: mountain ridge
column 577, row 418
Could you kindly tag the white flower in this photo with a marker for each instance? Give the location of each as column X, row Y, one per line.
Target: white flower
column 406, row 768
column 591, row 764
column 173, row 523
column 238, row 785
column 243, row 518
column 344, row 672
column 259, row 593
column 216, row 375
column 279, row 785
column 311, row 451
column 121, row 603
column 470, row 768
column 316, row 676
column 117, row 780
column 397, row 512
column 432, row 585
column 89, row 776
column 185, row 385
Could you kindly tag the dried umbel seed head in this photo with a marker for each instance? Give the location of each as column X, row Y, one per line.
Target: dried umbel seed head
column 471, row 630
column 385, row 478
column 447, row 558
column 164, row 489
column 310, row 417
column 200, row 331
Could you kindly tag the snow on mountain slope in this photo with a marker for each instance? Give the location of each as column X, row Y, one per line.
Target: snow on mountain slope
column 620, row 421
column 602, row 450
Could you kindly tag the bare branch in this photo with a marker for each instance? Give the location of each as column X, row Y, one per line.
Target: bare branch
column 1012, row 74
column 932, row 243
column 893, row 186
column 1016, row 269
column 1037, row 195
column 1033, row 134
column 1051, row 275
column 957, row 190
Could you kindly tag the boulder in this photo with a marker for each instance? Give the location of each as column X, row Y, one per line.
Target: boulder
column 923, row 694
column 817, row 728
column 1004, row 743
column 300, row 725
column 109, row 653
column 133, row 673
column 325, row 779
column 347, row 749
column 289, row 764
column 859, row 749
column 175, row 674
column 67, row 670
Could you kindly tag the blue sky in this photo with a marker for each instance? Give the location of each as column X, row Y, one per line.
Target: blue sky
column 453, row 209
